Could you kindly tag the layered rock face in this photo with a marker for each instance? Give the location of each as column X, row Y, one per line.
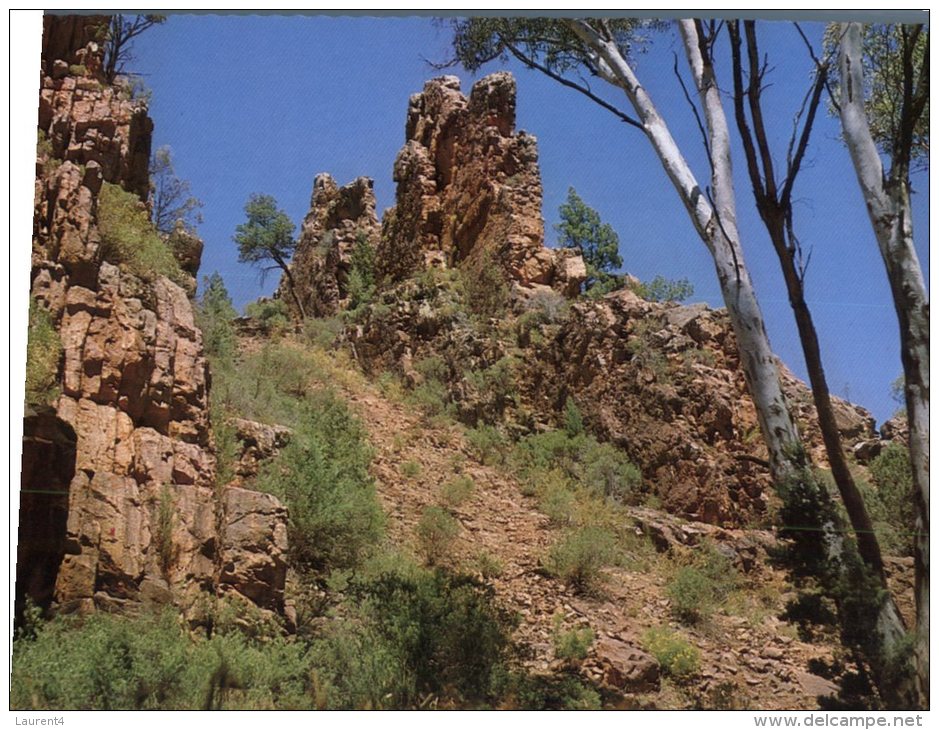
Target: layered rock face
column 143, row 523
column 339, row 218
column 469, row 186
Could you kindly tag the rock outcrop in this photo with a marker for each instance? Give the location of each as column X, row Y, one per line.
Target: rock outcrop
column 469, row 186
column 142, row 518
column 661, row 381
column 339, row 218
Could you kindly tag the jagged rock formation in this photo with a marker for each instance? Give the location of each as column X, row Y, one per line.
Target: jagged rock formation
column 469, row 193
column 142, row 522
column 338, row 218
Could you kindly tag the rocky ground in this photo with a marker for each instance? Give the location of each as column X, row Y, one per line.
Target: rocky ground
column 750, row 658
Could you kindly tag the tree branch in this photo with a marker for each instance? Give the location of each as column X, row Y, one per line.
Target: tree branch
column 531, row 63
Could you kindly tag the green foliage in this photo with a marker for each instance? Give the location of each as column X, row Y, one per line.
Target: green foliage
column 700, row 587
column 78, row 69
column 601, row 468
column 487, row 443
column 267, row 235
column 661, row 289
column 580, row 556
column 443, row 634
column 549, row 692
column 556, row 498
column 886, row 80
column 271, row 314
column 323, row 331
column 108, row 662
column 495, row 386
column 410, row 469
column 677, row 657
column 488, row 565
column 485, row 288
column 573, row 419
column 215, row 314
column 322, row 476
column 457, row 491
column 43, row 352
column 891, row 506
column 571, row 645
column 361, row 282
column 129, row 239
column 436, row 531
column 581, row 228
column 431, row 394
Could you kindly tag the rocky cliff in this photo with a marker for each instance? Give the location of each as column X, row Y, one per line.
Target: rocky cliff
column 135, row 516
column 661, row 381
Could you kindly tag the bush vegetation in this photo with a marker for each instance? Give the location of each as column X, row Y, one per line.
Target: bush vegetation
column 43, row 352
column 571, row 645
column 676, row 656
column 436, row 532
column 580, row 556
column 271, row 314
column 322, row 476
column 129, row 239
column 456, row 491
column 701, row 586
column 891, row 503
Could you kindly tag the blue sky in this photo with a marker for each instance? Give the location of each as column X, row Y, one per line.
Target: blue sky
column 264, row 103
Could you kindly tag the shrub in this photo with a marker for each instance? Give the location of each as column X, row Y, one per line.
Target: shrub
column 322, row 475
column 488, row 565
column 580, row 556
column 893, row 475
column 455, row 492
column 608, row 472
column 677, row 657
column 410, row 469
column 549, row 692
column 271, row 314
column 436, row 531
column 487, row 444
column 572, row 645
column 361, row 282
column 129, row 239
column 485, row 287
column 697, row 589
column 323, row 332
column 215, row 314
column 43, row 352
column 573, row 419
column 108, row 662
column 496, row 384
column 445, row 630
column 556, row 498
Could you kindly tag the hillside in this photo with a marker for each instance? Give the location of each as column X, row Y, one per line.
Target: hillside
column 429, row 472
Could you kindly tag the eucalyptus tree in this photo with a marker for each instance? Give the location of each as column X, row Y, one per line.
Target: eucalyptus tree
column 883, row 102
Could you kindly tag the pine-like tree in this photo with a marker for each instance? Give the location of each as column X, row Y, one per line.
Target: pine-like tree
column 581, row 227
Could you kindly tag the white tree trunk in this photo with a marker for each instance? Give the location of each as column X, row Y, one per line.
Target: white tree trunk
column 888, row 205
column 717, row 227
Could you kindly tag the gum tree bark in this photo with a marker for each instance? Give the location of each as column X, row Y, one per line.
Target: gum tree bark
column 774, row 203
column 887, row 197
column 716, row 223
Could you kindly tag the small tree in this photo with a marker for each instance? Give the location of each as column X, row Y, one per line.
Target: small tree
column 267, row 236
column 118, row 50
column 216, row 313
column 170, row 196
column 581, row 227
